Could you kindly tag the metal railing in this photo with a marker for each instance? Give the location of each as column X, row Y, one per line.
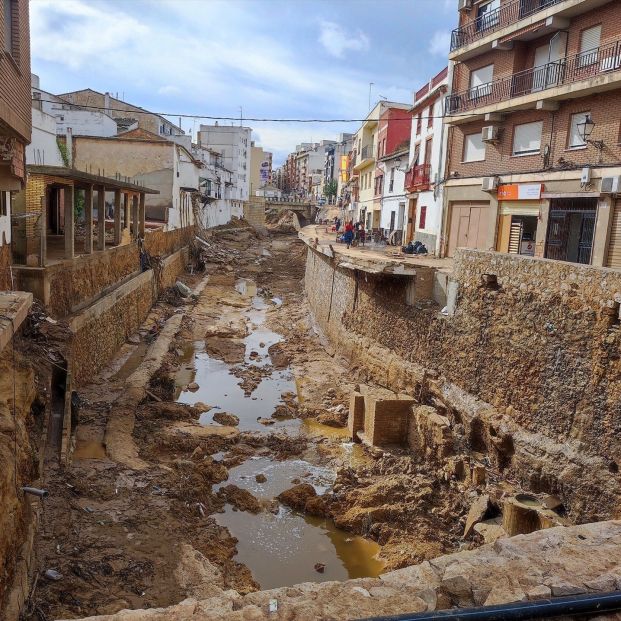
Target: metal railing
column 575, row 68
column 418, row 177
column 507, row 14
column 366, row 152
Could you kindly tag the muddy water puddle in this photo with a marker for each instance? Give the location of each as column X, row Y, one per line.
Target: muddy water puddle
column 280, row 548
column 283, row 548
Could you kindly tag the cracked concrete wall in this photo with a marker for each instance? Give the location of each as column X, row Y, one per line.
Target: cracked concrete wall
column 529, row 372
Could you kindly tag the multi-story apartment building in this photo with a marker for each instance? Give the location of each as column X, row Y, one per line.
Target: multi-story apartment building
column 393, row 147
column 15, row 116
column 260, row 168
column 234, row 144
column 336, row 162
column 534, row 147
column 427, row 157
column 366, row 208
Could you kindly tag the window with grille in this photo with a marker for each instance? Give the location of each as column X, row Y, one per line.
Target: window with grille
column 4, row 203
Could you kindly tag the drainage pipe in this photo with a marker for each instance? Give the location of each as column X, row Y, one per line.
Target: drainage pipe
column 590, row 603
column 35, row 491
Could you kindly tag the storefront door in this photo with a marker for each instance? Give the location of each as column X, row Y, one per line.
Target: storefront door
column 468, row 226
column 571, row 226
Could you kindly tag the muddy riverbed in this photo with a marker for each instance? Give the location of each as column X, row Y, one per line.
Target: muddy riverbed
column 179, row 494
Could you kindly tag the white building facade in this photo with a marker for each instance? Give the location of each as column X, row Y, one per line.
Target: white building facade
column 234, row 145
column 394, row 197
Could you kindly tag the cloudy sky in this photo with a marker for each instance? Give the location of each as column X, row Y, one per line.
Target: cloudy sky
column 274, row 58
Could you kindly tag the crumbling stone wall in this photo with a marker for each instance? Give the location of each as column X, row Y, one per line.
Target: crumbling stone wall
column 528, row 369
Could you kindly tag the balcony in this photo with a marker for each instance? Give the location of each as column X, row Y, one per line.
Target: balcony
column 513, row 20
column 580, row 74
column 365, row 157
column 417, row 179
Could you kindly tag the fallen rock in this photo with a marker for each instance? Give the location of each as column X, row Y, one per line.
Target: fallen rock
column 260, row 478
column 193, row 386
column 477, row 512
column 266, row 421
column 297, row 496
column 317, row 506
column 333, row 419
column 240, row 498
column 202, row 407
column 490, row 531
column 224, row 418
column 320, row 567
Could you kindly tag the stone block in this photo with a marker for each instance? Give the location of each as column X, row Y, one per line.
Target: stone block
column 386, row 421
column 355, row 420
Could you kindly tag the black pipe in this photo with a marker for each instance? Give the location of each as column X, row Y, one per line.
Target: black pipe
column 590, row 603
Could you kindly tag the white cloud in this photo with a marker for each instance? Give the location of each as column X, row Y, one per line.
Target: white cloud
column 169, row 89
column 336, row 41
column 440, row 43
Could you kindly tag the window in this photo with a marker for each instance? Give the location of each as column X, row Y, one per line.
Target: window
column 428, row 148
column 422, row 218
column 419, row 123
column 9, row 30
column 589, row 46
column 430, row 117
column 480, row 81
column 488, row 15
column 575, row 139
column 4, row 203
column 527, row 138
column 391, row 185
column 474, row 148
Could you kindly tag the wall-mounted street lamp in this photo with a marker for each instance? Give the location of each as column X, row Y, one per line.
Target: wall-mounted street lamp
column 585, row 129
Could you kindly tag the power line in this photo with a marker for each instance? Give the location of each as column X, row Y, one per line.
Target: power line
column 233, row 118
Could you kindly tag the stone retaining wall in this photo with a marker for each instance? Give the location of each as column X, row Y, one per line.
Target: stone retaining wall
column 5, row 267
column 528, row 371
column 101, row 329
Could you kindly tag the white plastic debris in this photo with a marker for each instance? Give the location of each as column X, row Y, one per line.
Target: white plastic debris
column 273, row 605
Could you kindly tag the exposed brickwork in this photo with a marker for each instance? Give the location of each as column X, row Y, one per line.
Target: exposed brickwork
column 355, row 420
column 605, row 112
column 386, row 421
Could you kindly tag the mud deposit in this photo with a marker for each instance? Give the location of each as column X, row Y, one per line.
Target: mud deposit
column 228, row 466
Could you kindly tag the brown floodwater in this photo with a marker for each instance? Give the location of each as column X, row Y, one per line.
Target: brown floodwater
column 280, row 548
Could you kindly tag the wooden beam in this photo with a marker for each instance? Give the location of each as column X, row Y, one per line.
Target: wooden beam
column 117, row 217
column 69, row 226
column 101, row 217
column 88, row 220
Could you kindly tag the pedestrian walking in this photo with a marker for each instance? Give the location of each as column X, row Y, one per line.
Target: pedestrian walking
column 348, row 236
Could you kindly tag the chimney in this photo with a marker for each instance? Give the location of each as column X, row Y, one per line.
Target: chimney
column 107, row 101
column 69, row 147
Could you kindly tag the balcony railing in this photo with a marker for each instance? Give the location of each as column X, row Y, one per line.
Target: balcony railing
column 417, row 178
column 568, row 70
column 507, row 14
column 366, row 152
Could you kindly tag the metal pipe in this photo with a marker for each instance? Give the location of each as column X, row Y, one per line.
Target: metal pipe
column 35, row 491
column 590, row 603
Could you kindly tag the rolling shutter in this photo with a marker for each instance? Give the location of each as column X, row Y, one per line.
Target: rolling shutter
column 527, row 138
column 613, row 258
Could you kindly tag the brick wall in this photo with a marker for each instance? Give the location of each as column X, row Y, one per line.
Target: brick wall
column 15, row 98
column 254, row 214
column 534, row 364
column 604, row 109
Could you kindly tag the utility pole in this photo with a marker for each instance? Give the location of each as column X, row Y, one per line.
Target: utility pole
column 370, row 87
column 241, row 116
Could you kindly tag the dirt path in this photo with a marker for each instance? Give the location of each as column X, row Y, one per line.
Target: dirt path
column 162, row 474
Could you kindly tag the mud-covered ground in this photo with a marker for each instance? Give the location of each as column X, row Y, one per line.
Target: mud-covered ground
column 140, row 531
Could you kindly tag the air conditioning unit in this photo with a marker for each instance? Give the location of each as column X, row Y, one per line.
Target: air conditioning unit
column 490, row 133
column 489, row 184
column 464, row 5
column 611, row 185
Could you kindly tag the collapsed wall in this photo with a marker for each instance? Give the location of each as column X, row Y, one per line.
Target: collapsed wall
column 525, row 366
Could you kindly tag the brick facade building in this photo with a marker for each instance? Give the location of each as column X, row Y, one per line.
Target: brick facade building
column 534, row 151
column 15, row 118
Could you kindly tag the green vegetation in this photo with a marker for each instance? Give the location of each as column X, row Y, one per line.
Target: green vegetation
column 62, row 147
column 330, row 188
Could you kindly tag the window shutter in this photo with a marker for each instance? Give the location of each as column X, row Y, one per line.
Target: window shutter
column 474, row 149
column 590, row 39
column 481, row 76
column 527, row 138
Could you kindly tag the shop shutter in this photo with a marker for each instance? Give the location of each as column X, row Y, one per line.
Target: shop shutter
column 613, row 258
column 527, row 138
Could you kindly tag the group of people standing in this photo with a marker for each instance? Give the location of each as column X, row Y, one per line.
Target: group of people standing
column 353, row 234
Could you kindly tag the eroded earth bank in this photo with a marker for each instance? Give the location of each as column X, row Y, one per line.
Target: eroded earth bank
column 213, row 463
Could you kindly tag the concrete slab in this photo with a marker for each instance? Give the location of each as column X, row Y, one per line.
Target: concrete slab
column 14, row 307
